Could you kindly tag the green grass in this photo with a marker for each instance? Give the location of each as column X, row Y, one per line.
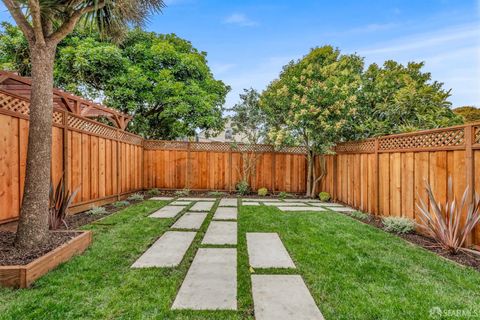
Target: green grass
column 353, row 271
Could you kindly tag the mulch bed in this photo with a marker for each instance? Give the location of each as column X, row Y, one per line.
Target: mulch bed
column 462, row 257
column 10, row 255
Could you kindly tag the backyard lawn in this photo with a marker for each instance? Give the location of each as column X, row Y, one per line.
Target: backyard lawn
column 352, row 270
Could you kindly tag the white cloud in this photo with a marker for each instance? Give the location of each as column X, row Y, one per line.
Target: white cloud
column 221, row 68
column 240, row 19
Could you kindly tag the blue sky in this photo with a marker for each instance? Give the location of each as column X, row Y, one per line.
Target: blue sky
column 249, row 41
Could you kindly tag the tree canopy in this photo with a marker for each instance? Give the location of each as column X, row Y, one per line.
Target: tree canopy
column 468, row 113
column 160, row 79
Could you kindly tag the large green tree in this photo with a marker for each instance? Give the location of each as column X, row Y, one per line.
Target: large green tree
column 44, row 25
column 397, row 98
column 468, row 113
column 312, row 103
column 160, row 79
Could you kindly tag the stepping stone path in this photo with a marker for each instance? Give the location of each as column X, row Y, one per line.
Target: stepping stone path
column 342, row 209
column 180, row 203
column 190, row 220
column 283, row 297
column 260, row 200
column 161, row 198
column 211, row 281
column 167, row 251
column 196, row 199
column 325, row 204
column 302, row 209
column 251, row 204
column 221, row 232
column 225, row 213
column 167, row 212
column 226, row 202
column 202, row 206
column 265, row 250
column 285, row 204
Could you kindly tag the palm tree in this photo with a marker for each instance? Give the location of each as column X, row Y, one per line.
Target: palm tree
column 45, row 23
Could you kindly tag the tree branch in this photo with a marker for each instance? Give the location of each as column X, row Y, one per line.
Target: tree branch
column 68, row 26
column 36, row 21
column 20, row 19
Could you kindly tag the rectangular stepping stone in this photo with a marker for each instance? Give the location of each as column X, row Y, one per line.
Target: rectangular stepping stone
column 285, row 204
column 266, row 250
column 180, row 203
column 196, row 199
column 211, row 281
column 167, row 251
column 228, row 202
column 202, row 206
column 260, row 199
column 161, row 198
column 302, row 209
column 221, row 232
column 342, row 209
column 251, row 203
column 167, row 212
column 325, row 204
column 190, row 220
column 225, row 213
column 283, row 297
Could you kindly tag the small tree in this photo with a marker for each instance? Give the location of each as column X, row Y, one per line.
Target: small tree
column 44, row 24
column 312, row 103
column 249, row 121
column 468, row 113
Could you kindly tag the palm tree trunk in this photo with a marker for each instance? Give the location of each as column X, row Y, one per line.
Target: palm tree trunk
column 33, row 224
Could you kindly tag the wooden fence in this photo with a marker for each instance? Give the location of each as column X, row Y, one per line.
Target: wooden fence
column 386, row 176
column 102, row 162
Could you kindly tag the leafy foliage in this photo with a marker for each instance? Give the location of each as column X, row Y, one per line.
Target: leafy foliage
column 60, row 200
column 395, row 98
column 121, row 204
column 398, row 225
column 283, row 195
column 182, row 193
column 358, row 215
column 160, row 79
column 242, row 187
column 324, row 196
column 153, row 192
column 96, row 211
column 217, row 193
column 136, row 197
column 444, row 223
column 468, row 113
column 262, row 192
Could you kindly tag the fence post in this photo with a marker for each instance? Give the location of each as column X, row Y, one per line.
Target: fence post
column 119, row 169
column 377, row 178
column 273, row 170
column 469, row 140
column 65, row 149
column 189, row 167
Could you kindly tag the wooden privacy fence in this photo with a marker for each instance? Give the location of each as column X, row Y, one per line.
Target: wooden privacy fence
column 386, row 176
column 219, row 166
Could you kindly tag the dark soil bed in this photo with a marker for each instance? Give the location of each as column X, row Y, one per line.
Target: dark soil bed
column 463, row 258
column 222, row 194
column 10, row 255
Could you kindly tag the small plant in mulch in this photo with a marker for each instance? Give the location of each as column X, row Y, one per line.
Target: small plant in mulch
column 359, row 215
column 243, row 188
column 95, row 211
column 136, row 197
column 60, row 200
column 217, row 194
column 262, row 192
column 324, row 196
column 121, row 204
column 153, row 192
column 283, row 195
column 182, row 193
column 398, row 225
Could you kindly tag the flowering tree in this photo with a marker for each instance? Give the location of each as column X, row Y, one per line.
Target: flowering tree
column 312, row 104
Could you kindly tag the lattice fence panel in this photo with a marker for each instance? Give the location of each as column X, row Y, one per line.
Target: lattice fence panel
column 57, row 117
column 437, row 139
column 210, row 146
column 165, row 145
column 130, row 138
column 91, row 127
column 477, row 134
column 300, row 150
column 14, row 104
column 367, row 146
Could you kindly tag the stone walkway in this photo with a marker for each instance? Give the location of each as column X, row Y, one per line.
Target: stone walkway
column 211, row 281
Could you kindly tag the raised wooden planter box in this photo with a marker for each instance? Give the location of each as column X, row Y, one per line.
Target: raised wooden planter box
column 21, row 276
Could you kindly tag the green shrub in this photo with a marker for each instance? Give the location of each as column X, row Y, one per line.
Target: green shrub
column 135, row 197
column 121, row 204
column 262, row 192
column 153, row 192
column 398, row 225
column 283, row 195
column 217, row 193
column 324, row 196
column 97, row 210
column 182, row 193
column 243, row 187
column 359, row 215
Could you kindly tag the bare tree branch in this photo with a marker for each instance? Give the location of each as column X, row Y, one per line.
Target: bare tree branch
column 20, row 19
